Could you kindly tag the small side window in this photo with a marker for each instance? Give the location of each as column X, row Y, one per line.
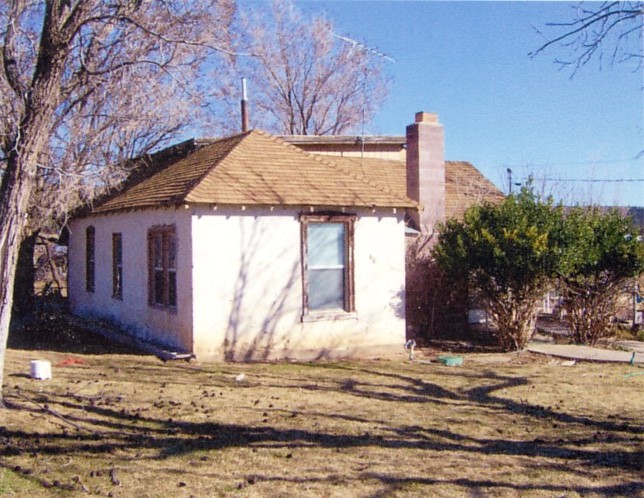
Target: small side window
column 90, row 246
column 117, row 266
column 162, row 266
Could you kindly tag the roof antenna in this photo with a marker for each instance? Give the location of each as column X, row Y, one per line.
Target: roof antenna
column 367, row 50
column 244, row 107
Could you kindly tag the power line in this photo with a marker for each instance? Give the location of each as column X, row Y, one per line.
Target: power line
column 637, row 158
column 601, row 161
column 589, row 180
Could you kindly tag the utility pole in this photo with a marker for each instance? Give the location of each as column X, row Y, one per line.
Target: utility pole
column 637, row 320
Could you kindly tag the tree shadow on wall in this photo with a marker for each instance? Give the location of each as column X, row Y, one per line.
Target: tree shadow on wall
column 245, row 341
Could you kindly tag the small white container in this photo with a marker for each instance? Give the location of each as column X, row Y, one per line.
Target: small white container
column 40, row 369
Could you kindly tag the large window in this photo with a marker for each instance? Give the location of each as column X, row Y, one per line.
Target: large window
column 90, row 248
column 117, row 266
column 162, row 269
column 327, row 255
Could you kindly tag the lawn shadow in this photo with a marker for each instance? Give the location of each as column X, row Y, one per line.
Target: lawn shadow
column 58, row 331
column 417, row 390
column 112, row 426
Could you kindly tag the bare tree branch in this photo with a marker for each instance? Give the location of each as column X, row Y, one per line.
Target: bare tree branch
column 85, row 84
column 587, row 34
column 303, row 78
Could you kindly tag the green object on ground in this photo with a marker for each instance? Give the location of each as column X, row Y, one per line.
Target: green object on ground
column 451, row 361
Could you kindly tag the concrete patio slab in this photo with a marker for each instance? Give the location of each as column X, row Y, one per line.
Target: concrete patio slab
column 586, row 353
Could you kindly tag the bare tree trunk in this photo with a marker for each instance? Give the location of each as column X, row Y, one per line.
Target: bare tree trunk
column 24, row 285
column 515, row 318
column 25, row 148
column 15, row 191
column 590, row 309
column 14, row 199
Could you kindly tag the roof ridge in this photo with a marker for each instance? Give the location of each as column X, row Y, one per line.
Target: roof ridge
column 336, row 165
column 206, row 141
column 237, row 136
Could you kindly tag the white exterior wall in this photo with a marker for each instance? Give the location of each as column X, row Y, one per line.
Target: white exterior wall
column 240, row 284
column 172, row 328
column 248, row 288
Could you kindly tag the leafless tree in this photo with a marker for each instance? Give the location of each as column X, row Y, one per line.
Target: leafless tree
column 84, row 83
column 304, row 78
column 612, row 28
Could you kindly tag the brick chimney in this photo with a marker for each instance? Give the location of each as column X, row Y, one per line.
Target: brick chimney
column 426, row 170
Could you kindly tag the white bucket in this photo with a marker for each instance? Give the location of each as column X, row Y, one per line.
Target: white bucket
column 40, row 369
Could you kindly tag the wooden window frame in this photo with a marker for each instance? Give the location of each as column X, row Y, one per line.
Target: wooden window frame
column 90, row 259
column 348, row 220
column 167, row 270
column 117, row 266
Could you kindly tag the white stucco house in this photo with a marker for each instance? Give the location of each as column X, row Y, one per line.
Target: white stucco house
column 246, row 248
column 253, row 248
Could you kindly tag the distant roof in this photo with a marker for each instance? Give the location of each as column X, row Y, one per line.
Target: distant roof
column 466, row 186
column 254, row 168
column 637, row 214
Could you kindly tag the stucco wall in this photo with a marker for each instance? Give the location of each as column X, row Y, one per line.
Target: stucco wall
column 162, row 326
column 244, row 298
column 248, row 288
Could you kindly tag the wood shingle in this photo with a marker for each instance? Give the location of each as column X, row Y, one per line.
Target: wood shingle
column 255, row 168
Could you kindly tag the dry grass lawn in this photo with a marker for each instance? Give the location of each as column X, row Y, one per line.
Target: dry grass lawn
column 501, row 425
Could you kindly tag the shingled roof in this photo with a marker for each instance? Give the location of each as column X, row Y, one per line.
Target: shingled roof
column 466, row 186
column 255, row 168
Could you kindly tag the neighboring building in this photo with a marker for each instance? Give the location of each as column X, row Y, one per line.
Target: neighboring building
column 248, row 248
column 386, row 157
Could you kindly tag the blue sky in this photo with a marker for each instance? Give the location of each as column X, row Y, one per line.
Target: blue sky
column 469, row 62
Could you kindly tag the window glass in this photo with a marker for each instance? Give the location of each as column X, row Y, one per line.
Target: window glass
column 158, row 286
column 172, row 252
column 326, row 265
column 326, row 289
column 172, row 288
column 117, row 266
column 158, row 250
column 326, row 245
